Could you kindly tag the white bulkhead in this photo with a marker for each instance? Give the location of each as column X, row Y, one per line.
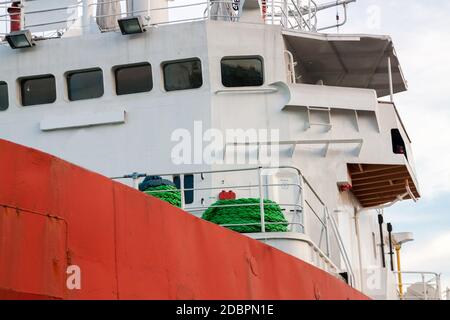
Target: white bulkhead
column 343, row 154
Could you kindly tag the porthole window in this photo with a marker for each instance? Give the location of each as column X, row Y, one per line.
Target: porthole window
column 133, row 78
column 4, row 101
column 242, row 71
column 182, row 74
column 85, row 84
column 38, row 90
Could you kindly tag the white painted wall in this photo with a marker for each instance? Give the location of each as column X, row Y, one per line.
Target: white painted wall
column 142, row 142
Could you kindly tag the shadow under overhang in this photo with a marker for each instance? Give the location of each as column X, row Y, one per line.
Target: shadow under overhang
column 377, row 184
column 358, row 61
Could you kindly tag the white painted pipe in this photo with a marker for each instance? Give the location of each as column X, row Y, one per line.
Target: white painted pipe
column 88, row 9
column 391, row 84
column 358, row 239
column 261, row 200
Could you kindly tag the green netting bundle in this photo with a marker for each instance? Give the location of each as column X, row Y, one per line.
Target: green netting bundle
column 246, row 211
column 172, row 195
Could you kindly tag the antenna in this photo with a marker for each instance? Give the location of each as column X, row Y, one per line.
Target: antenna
column 334, row 4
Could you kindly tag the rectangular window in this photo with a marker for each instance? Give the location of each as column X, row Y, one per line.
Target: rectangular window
column 4, row 101
column 242, row 71
column 133, row 78
column 38, row 90
column 182, row 75
column 398, row 144
column 188, row 184
column 85, row 84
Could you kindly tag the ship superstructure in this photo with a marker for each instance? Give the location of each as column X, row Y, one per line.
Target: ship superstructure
column 289, row 113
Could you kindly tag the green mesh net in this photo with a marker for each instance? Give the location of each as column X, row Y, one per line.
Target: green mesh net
column 170, row 194
column 244, row 211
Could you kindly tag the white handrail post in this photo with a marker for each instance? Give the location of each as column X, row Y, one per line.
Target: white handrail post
column 149, row 12
column 208, row 9
column 438, row 286
column 261, row 200
column 135, row 183
column 22, row 16
column 135, row 177
column 273, row 12
column 327, row 234
column 424, row 287
column 182, row 191
column 391, row 83
column 302, row 195
column 309, row 15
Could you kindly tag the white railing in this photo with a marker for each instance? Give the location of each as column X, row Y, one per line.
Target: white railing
column 418, row 285
column 256, row 186
column 287, row 14
column 290, row 14
column 306, row 213
column 327, row 222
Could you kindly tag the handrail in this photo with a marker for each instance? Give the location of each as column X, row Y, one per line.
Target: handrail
column 252, row 90
column 291, row 66
column 298, row 210
column 56, row 9
column 285, row 13
column 142, row 175
column 342, row 250
column 423, row 285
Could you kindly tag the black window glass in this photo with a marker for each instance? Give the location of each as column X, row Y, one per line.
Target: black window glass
column 38, row 90
column 85, row 84
column 398, row 145
column 4, row 101
column 182, row 75
column 133, row 78
column 188, row 184
column 242, row 72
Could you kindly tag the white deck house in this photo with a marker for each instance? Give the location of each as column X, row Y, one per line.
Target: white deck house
column 322, row 92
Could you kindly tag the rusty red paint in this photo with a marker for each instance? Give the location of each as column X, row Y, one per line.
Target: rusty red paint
column 129, row 245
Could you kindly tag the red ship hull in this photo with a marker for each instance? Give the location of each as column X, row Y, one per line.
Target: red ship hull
column 129, row 245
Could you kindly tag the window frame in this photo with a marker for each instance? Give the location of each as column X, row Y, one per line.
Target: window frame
column 117, row 68
column 398, row 141
column 189, row 183
column 22, row 81
column 7, row 96
column 169, row 62
column 255, row 57
column 69, row 74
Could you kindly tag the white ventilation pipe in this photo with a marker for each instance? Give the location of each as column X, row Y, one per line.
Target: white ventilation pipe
column 138, row 8
column 88, row 13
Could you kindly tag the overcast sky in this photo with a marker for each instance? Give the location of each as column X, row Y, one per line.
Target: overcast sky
column 421, row 34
